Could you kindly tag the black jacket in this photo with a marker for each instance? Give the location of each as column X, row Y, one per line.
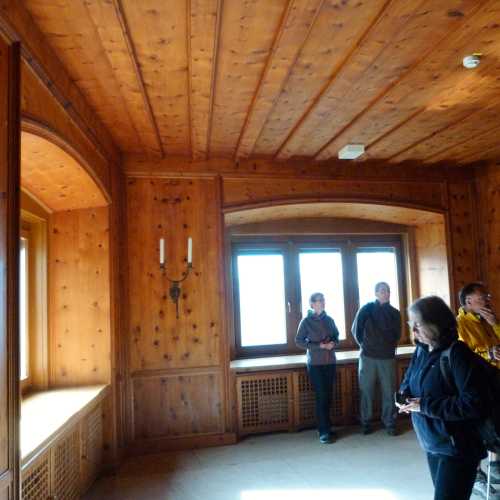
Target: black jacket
column 445, row 424
column 377, row 330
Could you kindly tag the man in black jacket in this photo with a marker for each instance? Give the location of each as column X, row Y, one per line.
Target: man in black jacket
column 377, row 330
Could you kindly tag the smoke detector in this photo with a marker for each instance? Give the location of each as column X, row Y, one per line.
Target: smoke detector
column 351, row 151
column 472, row 61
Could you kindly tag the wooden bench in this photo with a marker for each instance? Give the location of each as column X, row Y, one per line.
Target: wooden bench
column 61, row 442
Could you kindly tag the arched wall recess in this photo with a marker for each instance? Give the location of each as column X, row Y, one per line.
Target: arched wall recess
column 54, row 173
column 428, row 253
column 394, row 214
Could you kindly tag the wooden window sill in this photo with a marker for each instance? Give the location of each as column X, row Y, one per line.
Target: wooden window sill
column 46, row 415
column 299, row 360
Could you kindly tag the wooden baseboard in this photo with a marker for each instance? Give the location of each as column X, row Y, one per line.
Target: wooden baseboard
column 145, row 446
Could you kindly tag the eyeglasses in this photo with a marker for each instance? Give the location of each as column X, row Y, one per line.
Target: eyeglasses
column 414, row 325
column 485, row 296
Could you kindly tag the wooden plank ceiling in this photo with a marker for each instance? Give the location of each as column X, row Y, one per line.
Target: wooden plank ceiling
column 285, row 79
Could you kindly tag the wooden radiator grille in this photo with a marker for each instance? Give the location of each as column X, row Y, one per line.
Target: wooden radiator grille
column 66, row 467
column 92, row 446
column 337, row 408
column 305, row 408
column 36, row 480
column 264, row 402
column 354, row 393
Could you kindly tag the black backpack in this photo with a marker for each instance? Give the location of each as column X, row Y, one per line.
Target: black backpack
column 489, row 426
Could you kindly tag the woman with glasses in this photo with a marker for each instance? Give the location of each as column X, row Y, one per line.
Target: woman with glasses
column 444, row 419
column 318, row 334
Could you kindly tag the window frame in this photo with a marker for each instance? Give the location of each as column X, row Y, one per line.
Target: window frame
column 36, row 227
column 291, row 247
column 25, row 233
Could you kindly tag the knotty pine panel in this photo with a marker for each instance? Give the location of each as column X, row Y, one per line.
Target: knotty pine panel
column 174, row 209
column 488, row 196
column 177, row 405
column 239, row 192
column 463, row 233
column 432, row 260
column 79, row 305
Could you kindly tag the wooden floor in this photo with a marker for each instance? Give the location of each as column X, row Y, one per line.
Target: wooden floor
column 287, row 466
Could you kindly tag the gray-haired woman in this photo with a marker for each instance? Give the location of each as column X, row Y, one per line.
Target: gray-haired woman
column 443, row 418
column 318, row 334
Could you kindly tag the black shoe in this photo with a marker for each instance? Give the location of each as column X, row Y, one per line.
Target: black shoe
column 333, row 434
column 392, row 431
column 367, row 429
column 325, row 439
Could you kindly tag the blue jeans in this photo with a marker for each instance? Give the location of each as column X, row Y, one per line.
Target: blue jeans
column 453, row 478
column 323, row 381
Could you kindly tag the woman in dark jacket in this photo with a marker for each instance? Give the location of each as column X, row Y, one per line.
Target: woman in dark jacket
column 318, row 334
column 444, row 417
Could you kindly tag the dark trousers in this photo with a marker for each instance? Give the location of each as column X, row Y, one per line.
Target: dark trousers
column 453, row 478
column 323, row 381
column 369, row 370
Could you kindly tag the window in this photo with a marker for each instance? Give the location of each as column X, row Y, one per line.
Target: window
column 375, row 265
column 274, row 277
column 321, row 270
column 262, row 299
column 24, row 308
column 33, row 302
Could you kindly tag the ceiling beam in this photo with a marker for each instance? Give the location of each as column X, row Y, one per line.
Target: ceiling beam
column 393, row 48
column 203, row 29
column 141, row 166
column 294, row 30
column 279, row 153
column 117, row 4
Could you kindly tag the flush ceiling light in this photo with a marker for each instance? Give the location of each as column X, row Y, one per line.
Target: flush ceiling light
column 351, row 151
column 472, row 61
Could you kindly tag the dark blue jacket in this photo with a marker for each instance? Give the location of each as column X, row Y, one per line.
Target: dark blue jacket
column 445, row 424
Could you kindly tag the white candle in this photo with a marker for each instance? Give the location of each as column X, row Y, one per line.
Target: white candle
column 190, row 251
column 162, row 251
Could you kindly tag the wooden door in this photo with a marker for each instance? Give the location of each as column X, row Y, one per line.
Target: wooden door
column 9, row 268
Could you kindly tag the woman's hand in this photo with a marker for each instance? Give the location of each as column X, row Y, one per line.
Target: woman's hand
column 327, row 345
column 412, row 404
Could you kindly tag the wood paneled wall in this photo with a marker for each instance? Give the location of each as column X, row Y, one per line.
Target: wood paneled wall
column 464, row 234
column 79, row 297
column 432, row 260
column 9, row 269
column 177, row 366
column 177, row 376
column 488, row 222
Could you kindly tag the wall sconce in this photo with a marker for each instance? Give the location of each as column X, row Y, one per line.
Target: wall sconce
column 175, row 289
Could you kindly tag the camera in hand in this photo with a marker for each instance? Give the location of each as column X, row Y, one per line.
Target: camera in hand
column 400, row 398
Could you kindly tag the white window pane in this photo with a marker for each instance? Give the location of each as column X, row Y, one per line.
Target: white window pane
column 23, row 308
column 373, row 267
column 261, row 281
column 321, row 271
